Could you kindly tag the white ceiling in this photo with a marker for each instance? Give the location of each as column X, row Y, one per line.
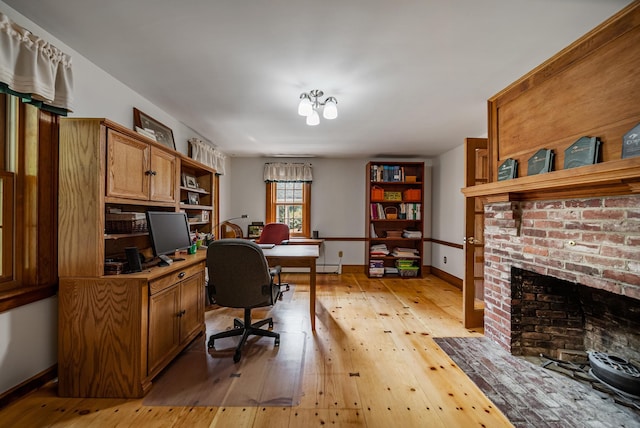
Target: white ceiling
column 412, row 77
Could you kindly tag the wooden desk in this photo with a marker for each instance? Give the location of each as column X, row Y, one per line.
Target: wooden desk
column 298, row 256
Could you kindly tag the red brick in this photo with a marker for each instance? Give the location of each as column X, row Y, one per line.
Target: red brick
column 631, row 201
column 583, row 203
column 536, row 250
column 533, row 215
column 603, row 214
column 579, row 225
column 621, row 252
column 548, row 224
column 631, row 291
column 625, row 277
column 563, row 234
column 548, row 205
column 600, row 237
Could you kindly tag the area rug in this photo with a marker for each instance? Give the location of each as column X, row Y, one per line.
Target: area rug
column 530, row 395
column 265, row 376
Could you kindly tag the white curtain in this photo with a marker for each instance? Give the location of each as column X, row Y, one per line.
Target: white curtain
column 207, row 154
column 278, row 171
column 34, row 68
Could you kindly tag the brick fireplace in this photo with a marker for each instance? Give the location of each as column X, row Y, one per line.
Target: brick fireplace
column 557, row 245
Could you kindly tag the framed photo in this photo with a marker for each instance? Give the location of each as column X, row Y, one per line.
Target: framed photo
column 189, row 181
column 254, row 230
column 193, row 198
column 163, row 134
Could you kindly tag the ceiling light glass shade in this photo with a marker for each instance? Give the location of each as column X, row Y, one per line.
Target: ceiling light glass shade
column 330, row 109
column 305, row 108
column 313, row 119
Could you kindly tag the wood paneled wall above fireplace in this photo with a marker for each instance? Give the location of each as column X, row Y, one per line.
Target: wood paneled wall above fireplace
column 591, row 88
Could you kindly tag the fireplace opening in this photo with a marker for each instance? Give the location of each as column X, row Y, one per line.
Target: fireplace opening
column 554, row 317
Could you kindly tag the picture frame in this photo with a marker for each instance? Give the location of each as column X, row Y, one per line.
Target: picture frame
column 163, row 134
column 189, row 181
column 193, row 198
column 254, row 230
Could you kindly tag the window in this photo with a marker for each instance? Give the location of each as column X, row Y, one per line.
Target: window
column 289, row 202
column 28, row 203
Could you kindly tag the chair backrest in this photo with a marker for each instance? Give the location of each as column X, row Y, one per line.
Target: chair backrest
column 239, row 274
column 230, row 230
column 274, row 233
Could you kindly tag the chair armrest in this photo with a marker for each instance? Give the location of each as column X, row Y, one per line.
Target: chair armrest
column 285, row 242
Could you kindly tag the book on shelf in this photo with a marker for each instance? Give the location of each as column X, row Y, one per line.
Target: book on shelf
column 388, row 173
column 413, row 234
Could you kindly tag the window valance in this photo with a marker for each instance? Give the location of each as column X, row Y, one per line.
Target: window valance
column 207, row 154
column 33, row 69
column 278, row 171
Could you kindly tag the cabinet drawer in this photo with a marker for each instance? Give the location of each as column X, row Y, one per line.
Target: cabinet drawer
column 166, row 281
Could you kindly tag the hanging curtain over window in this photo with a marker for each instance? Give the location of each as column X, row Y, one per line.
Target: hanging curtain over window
column 207, row 154
column 33, row 69
column 278, row 171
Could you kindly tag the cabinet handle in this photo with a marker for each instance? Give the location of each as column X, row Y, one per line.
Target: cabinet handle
column 181, row 313
column 181, row 275
column 148, row 172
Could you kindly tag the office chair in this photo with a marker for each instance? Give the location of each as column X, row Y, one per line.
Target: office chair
column 239, row 277
column 230, row 230
column 274, row 233
column 278, row 234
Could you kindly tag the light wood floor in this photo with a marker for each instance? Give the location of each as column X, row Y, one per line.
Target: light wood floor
column 371, row 363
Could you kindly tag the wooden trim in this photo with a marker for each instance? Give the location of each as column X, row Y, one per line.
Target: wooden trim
column 28, row 386
column 451, row 279
column 604, row 179
column 20, row 296
column 447, row 244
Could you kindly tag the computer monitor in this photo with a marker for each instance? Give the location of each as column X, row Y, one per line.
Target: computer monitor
column 169, row 232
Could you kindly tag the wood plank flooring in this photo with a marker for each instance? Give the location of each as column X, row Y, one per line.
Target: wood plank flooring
column 371, row 363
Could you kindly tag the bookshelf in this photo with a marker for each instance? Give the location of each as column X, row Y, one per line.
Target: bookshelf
column 394, row 219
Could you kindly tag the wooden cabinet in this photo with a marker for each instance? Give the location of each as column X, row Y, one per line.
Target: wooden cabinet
column 115, row 335
column 394, row 219
column 175, row 314
column 138, row 170
column 116, row 332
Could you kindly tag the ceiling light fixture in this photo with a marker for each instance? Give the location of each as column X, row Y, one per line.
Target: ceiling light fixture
column 309, row 106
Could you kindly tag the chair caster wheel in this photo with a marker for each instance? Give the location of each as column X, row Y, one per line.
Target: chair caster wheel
column 210, row 345
column 271, row 325
column 237, row 356
column 277, row 341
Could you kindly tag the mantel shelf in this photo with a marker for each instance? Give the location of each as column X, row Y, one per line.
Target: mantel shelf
column 619, row 177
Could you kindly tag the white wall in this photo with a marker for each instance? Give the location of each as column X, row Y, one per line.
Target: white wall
column 448, row 211
column 28, row 334
column 337, row 202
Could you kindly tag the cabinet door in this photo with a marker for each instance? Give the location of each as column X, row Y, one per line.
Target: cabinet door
column 164, row 325
column 192, row 303
column 127, row 167
column 163, row 176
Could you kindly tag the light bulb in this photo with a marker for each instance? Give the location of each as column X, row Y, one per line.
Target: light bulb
column 305, row 108
column 330, row 109
column 313, row 119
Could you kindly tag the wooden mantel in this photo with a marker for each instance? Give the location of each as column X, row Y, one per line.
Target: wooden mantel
column 606, row 179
